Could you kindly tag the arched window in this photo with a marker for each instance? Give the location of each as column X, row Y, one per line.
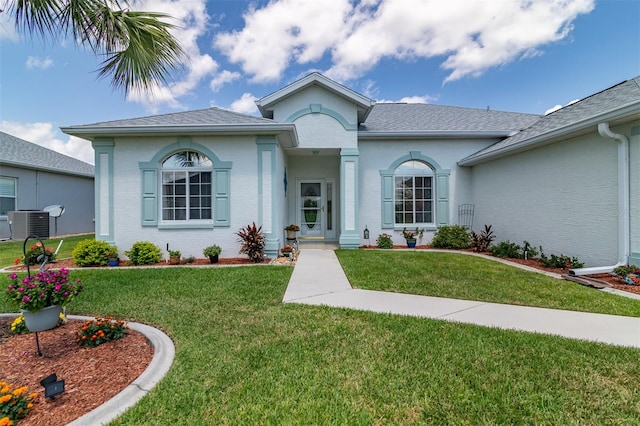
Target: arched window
column 187, row 187
column 414, row 194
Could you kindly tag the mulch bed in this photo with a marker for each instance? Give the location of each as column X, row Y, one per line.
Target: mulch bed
column 92, row 375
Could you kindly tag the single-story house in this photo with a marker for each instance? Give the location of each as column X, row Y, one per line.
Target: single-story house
column 33, row 178
column 335, row 162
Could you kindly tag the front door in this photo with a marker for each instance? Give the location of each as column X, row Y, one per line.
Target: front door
column 315, row 208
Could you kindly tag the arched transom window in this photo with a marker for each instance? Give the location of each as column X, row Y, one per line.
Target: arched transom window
column 414, row 193
column 186, row 187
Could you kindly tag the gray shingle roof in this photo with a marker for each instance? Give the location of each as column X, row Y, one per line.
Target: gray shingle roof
column 395, row 117
column 18, row 152
column 206, row 117
column 590, row 108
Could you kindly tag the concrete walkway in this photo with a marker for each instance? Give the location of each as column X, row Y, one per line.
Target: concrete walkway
column 318, row 279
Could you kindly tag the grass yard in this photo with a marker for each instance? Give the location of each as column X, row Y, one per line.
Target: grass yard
column 11, row 250
column 461, row 276
column 242, row 357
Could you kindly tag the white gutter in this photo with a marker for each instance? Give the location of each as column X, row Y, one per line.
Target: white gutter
column 623, row 203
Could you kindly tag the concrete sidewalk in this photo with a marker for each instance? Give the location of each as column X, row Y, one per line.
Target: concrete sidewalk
column 318, row 279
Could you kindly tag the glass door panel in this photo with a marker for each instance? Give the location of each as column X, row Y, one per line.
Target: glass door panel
column 311, row 209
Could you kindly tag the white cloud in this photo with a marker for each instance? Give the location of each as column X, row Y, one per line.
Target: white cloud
column 470, row 36
column 190, row 19
column 557, row 107
column 48, row 136
column 282, row 32
column 245, row 105
column 35, row 62
column 223, row 78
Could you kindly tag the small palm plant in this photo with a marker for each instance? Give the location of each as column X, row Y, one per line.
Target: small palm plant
column 252, row 242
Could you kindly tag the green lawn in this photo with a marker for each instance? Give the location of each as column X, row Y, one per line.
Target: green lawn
column 242, row 357
column 12, row 250
column 473, row 278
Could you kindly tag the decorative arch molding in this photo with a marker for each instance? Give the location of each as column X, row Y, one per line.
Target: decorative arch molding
column 319, row 109
column 415, row 155
column 182, row 144
column 150, row 194
column 441, row 189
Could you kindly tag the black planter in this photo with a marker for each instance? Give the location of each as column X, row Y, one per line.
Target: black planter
column 213, row 259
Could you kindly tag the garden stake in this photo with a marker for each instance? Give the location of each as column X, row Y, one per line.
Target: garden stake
column 44, row 262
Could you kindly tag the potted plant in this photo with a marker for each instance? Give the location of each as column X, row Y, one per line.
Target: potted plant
column 287, row 250
column 41, row 297
column 291, row 231
column 212, row 252
column 174, row 257
column 113, row 259
column 412, row 236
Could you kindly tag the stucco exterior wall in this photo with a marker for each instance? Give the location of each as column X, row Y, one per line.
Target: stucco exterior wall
column 377, row 155
column 322, row 131
column 241, row 150
column 561, row 196
column 38, row 189
column 317, row 96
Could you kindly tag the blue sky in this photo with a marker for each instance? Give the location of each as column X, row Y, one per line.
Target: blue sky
column 512, row 55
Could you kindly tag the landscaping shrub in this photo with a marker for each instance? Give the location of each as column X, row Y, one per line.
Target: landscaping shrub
column 92, row 253
column 451, row 237
column 252, row 242
column 507, row 249
column 384, row 241
column 481, row 242
column 144, row 253
column 561, row 261
column 624, row 270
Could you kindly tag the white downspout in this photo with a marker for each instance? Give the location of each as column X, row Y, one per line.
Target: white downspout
column 623, row 203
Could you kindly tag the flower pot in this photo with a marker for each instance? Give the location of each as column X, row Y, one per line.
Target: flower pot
column 114, row 261
column 174, row 260
column 213, row 259
column 44, row 319
column 411, row 243
column 291, row 235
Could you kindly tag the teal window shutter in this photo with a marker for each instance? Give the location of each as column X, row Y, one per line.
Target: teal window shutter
column 149, row 197
column 222, row 207
column 387, row 201
column 442, row 193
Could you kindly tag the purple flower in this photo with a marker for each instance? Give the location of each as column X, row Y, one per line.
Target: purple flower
column 13, row 276
column 57, row 287
column 26, row 299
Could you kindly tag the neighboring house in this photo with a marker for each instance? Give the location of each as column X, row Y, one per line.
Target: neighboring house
column 334, row 162
column 33, row 177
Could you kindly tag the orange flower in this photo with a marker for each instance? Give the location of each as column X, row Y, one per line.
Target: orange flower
column 19, row 391
column 5, row 398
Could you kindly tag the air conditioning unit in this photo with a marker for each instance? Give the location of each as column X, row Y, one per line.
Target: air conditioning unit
column 25, row 223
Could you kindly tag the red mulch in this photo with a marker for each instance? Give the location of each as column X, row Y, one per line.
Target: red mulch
column 92, row 375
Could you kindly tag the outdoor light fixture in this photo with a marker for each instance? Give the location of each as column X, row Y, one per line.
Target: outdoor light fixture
column 52, row 386
column 366, row 234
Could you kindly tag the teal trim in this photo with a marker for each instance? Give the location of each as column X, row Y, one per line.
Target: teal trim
column 221, row 197
column 182, row 144
column 101, row 147
column 319, row 109
column 185, row 226
column 349, row 238
column 387, row 208
column 149, row 194
column 149, row 171
column 272, row 240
